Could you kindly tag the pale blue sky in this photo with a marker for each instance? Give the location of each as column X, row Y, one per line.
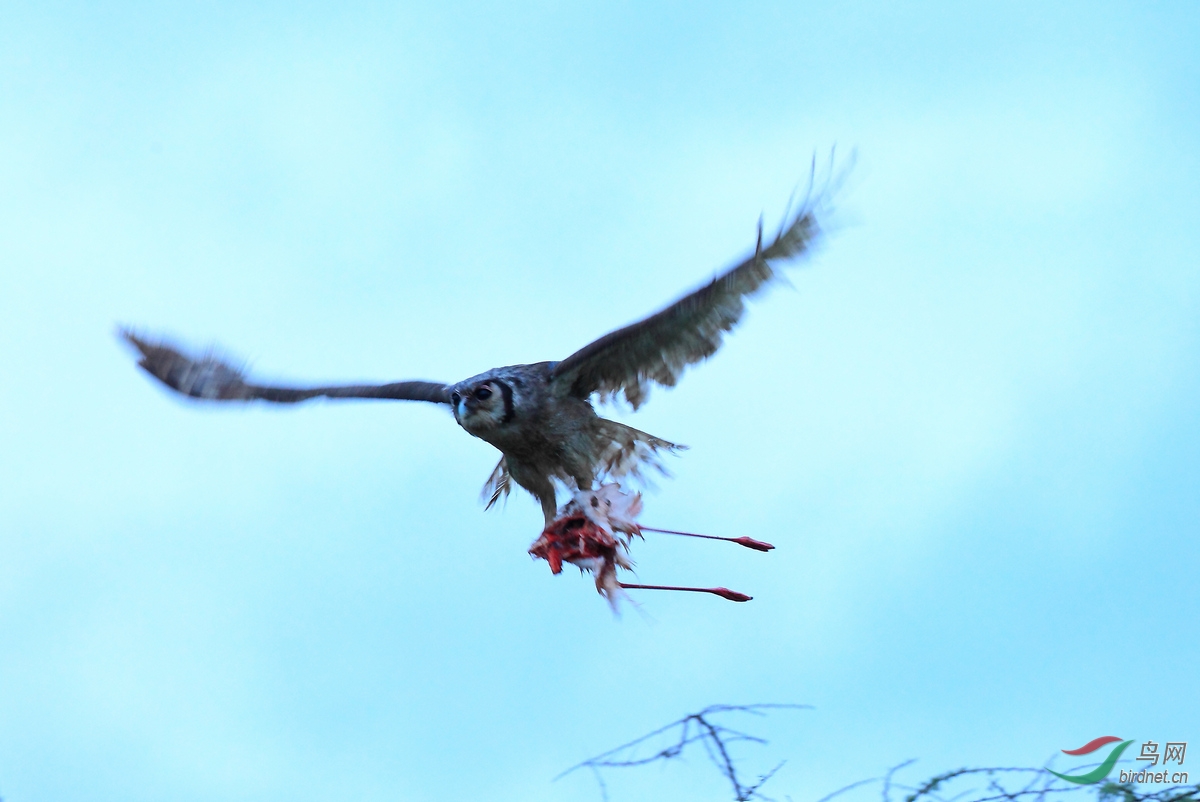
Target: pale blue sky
column 971, row 428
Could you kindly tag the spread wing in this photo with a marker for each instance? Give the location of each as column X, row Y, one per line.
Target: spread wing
column 658, row 348
column 211, row 379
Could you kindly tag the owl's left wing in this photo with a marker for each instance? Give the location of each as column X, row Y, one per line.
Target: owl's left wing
column 210, row 379
column 658, row 348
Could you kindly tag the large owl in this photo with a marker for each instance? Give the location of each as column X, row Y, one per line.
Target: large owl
column 540, row 416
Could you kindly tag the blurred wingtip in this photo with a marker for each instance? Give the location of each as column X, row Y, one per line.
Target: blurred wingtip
column 127, row 335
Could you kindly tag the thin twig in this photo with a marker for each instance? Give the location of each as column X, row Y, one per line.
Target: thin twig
column 700, row 728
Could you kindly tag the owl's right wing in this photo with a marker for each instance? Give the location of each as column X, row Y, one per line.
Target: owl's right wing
column 211, row 379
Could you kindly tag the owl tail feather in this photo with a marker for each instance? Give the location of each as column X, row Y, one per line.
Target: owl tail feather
column 626, row 451
column 498, row 485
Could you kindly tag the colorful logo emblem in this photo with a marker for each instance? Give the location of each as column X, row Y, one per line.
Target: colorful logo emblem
column 1100, row 772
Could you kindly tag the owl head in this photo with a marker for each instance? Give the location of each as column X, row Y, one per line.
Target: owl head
column 486, row 402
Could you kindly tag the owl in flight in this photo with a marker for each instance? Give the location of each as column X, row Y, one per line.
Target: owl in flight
column 540, row 416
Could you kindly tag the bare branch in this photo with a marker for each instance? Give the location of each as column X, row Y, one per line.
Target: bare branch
column 704, row 728
column 1001, row 783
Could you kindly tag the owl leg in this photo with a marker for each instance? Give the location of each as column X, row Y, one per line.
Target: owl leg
column 538, row 484
column 549, row 507
column 584, row 480
column 543, row 491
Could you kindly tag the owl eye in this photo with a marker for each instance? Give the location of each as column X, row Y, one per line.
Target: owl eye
column 483, row 393
column 455, row 398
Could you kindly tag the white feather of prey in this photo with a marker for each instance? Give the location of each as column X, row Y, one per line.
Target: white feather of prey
column 608, row 507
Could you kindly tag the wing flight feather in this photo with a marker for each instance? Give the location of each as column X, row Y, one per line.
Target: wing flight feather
column 658, row 348
column 211, row 379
